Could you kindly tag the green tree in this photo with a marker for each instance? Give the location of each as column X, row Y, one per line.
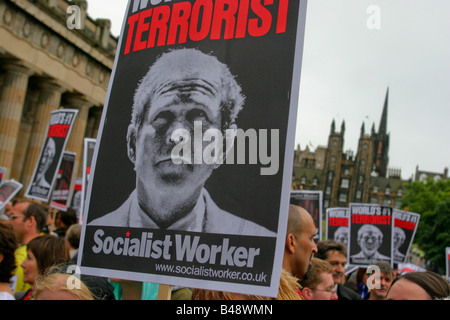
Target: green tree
column 431, row 199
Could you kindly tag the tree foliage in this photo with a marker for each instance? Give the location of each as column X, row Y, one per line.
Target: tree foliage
column 431, row 199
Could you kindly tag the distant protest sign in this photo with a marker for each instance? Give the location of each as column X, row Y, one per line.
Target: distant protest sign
column 337, row 220
column 48, row 163
column 191, row 175
column 405, row 227
column 61, row 192
column 8, row 189
column 311, row 201
column 370, row 232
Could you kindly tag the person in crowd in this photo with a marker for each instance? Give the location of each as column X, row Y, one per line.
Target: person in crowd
column 287, row 290
column 425, row 285
column 63, row 220
column 72, row 237
column 382, row 283
column 60, row 286
column 336, row 254
column 28, row 219
column 320, row 284
column 8, row 245
column 101, row 287
column 43, row 252
column 300, row 246
column 361, row 282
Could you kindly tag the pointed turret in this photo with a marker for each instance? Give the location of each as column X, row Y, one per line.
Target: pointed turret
column 383, row 122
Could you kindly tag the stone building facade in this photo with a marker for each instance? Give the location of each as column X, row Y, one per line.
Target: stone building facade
column 44, row 66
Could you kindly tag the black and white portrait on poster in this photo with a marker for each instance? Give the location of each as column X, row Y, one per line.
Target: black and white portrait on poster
column 192, row 168
column 47, row 167
column 337, row 224
column 405, row 226
column 370, row 231
column 311, row 201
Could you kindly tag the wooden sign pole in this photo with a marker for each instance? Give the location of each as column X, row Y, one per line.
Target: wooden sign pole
column 164, row 292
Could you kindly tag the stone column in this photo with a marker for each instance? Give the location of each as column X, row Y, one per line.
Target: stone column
column 12, row 97
column 76, row 139
column 49, row 100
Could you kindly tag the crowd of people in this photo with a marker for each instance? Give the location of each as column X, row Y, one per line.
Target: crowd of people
column 39, row 248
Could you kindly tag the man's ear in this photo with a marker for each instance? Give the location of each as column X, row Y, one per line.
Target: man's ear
column 290, row 243
column 131, row 143
column 307, row 293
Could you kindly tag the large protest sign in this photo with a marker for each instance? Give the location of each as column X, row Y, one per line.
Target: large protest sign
column 370, row 232
column 337, row 220
column 191, row 175
column 61, row 192
column 405, row 226
column 49, row 160
column 311, row 201
column 8, row 189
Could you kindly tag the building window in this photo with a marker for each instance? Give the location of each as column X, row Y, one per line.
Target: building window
column 358, row 194
column 399, row 192
column 387, row 202
column 328, row 191
column 344, row 183
column 361, row 179
column 303, row 180
column 342, row 197
column 374, row 200
column 315, row 182
column 388, row 190
column 375, row 189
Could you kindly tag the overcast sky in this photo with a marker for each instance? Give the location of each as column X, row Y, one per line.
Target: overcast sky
column 347, row 68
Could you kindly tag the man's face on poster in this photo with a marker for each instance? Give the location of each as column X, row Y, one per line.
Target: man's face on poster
column 47, row 156
column 399, row 237
column 176, row 108
column 369, row 239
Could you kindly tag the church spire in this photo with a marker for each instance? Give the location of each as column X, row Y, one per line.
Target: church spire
column 383, row 122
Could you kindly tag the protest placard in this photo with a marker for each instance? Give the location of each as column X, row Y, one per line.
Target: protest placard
column 190, row 180
column 370, row 231
column 49, row 160
column 61, row 192
column 337, row 224
column 8, row 189
column 311, row 201
column 405, row 227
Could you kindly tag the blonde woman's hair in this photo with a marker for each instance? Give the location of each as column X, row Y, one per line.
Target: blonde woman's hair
column 59, row 281
column 288, row 290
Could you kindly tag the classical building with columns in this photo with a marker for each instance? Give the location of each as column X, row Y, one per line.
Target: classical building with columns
column 44, row 66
